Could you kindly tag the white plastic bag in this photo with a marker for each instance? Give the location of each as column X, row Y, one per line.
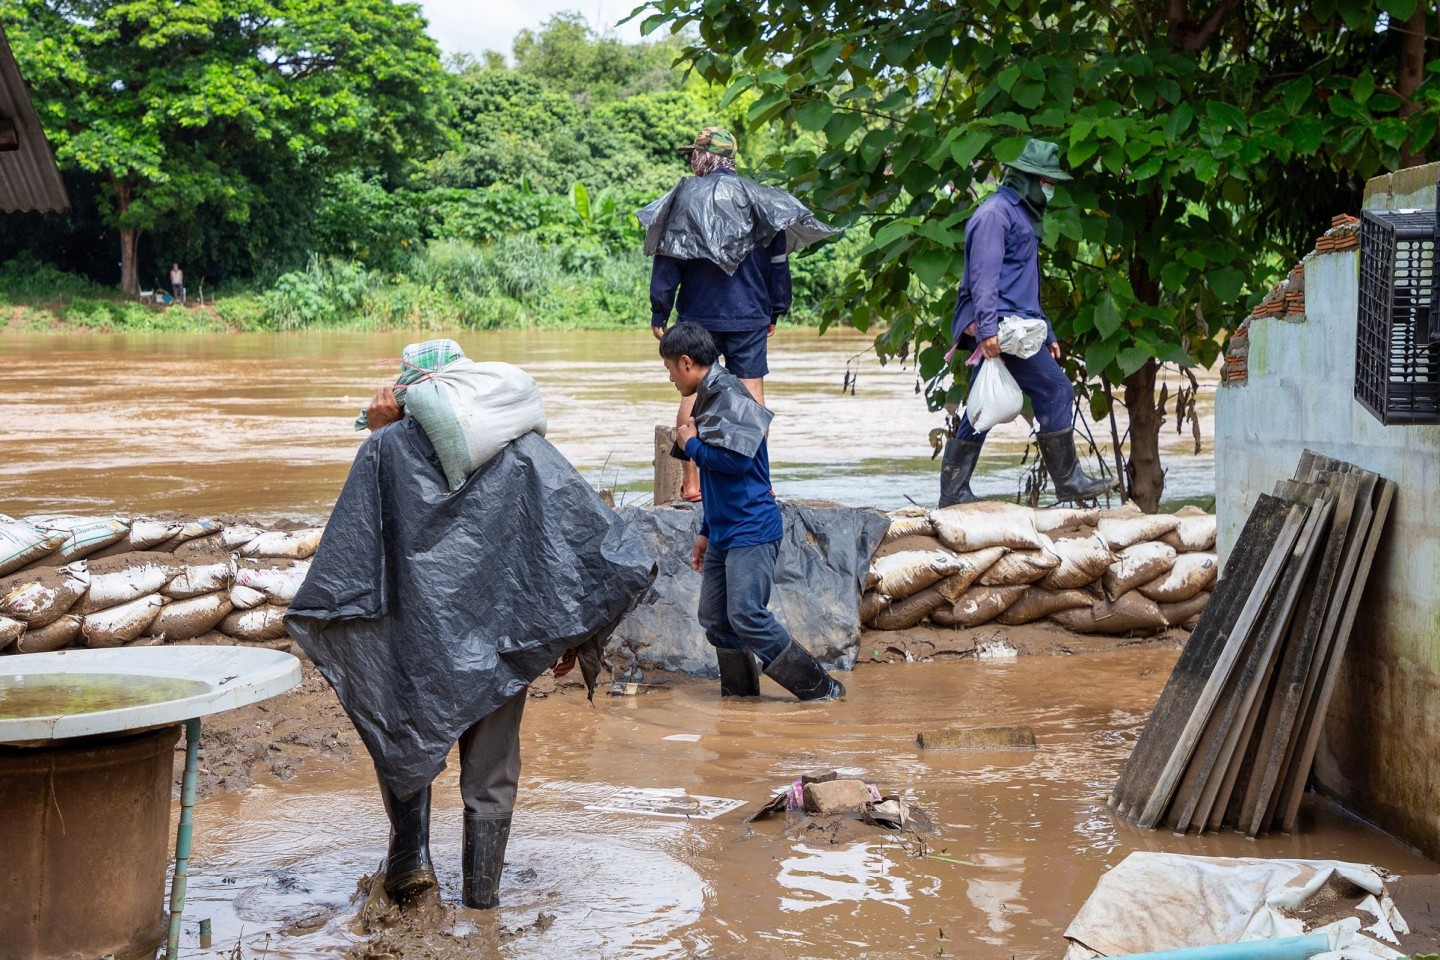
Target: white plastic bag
column 1022, row 337
column 995, row 397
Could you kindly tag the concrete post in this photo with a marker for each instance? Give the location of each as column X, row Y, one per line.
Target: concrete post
column 668, row 470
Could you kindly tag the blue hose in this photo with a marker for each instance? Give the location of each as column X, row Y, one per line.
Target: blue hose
column 182, row 837
column 1289, row 948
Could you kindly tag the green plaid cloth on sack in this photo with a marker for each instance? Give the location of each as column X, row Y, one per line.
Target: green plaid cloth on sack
column 419, row 359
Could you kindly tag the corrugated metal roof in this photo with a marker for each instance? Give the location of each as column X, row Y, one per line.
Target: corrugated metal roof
column 29, row 179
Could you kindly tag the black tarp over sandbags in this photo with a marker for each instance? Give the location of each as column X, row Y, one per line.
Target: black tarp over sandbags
column 818, row 579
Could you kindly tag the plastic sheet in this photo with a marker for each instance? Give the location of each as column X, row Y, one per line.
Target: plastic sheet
column 723, row 218
column 727, row 416
column 426, row 610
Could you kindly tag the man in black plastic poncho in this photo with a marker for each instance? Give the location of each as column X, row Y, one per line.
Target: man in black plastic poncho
column 431, row 611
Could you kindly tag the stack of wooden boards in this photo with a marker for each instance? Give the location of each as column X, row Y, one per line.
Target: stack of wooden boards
column 1118, row 572
column 1232, row 738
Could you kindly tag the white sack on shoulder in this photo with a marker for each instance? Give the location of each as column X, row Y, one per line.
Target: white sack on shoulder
column 995, row 397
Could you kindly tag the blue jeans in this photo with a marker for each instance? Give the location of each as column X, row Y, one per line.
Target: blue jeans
column 734, row 600
column 1051, row 394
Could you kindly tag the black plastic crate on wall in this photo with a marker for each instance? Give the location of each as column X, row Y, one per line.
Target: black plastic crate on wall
column 1397, row 364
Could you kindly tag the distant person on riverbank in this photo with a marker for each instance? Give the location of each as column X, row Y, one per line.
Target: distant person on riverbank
column 177, row 282
column 739, row 307
column 740, row 532
column 1002, row 279
column 431, row 610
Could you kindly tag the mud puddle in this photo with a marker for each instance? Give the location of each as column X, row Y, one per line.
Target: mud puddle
column 1023, row 836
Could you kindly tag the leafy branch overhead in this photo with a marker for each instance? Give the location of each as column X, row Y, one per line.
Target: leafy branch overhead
column 1205, row 138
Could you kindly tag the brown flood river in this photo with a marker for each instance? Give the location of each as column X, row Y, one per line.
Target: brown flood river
column 260, row 424
column 276, row 866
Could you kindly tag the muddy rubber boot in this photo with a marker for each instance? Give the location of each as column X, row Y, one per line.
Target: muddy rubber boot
column 485, row 839
column 955, row 470
column 800, row 673
column 408, row 872
column 739, row 673
column 1071, row 483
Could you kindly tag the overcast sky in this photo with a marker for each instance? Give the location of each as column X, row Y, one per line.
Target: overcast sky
column 468, row 26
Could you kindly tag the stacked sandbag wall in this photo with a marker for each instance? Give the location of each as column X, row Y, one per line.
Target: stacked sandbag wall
column 1118, row 572
column 68, row 581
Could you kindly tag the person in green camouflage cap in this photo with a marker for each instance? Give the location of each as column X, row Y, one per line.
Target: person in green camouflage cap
column 713, row 149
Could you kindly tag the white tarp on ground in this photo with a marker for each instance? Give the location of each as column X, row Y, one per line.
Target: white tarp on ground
column 1162, row 901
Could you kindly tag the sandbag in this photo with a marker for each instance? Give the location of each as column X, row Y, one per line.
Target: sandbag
column 145, row 534
column 1186, row 612
column 974, row 565
column 905, row 574
column 924, row 543
column 871, row 603
column 22, row 544
column 1130, row 614
column 120, row 625
column 975, row 526
column 908, row 527
column 122, row 586
column 259, row 625
column 56, row 636
column 1037, row 603
column 978, row 606
column 235, row 537
column 1065, row 518
column 187, row 619
column 190, row 530
column 1121, row 532
column 199, row 579
column 871, row 579
column 903, row 614
column 40, row 598
column 207, row 549
column 1194, row 532
column 1192, row 573
column 1135, row 565
column 245, row 598
column 83, row 535
column 1020, row 567
column 471, row 410
column 10, row 631
column 291, row 544
column 1083, row 560
column 278, row 585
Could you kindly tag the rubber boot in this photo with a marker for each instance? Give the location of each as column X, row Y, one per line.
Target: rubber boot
column 1071, row 483
column 408, row 872
column 739, row 673
column 955, row 470
column 485, row 839
column 800, row 673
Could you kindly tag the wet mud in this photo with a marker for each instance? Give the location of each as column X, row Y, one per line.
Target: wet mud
column 281, row 868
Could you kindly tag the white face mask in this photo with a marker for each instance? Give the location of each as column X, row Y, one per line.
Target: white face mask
column 1049, row 190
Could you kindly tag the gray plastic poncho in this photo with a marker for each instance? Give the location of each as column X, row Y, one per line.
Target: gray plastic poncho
column 723, row 218
column 726, row 416
column 427, row 609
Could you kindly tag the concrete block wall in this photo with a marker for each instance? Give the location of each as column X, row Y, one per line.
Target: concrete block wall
column 1380, row 755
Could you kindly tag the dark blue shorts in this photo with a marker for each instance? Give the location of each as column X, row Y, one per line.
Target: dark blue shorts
column 744, row 352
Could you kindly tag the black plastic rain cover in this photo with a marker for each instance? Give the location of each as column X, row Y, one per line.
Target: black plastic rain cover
column 726, row 415
column 722, row 218
column 427, row 610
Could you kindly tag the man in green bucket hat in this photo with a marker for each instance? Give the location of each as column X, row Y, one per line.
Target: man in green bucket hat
column 1002, row 280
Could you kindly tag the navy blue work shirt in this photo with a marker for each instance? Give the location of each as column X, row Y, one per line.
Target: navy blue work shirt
column 1002, row 269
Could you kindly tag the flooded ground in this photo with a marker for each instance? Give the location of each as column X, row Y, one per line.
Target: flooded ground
column 1023, row 836
column 261, row 424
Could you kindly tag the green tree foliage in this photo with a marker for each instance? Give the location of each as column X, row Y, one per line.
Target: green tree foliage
column 214, row 108
column 1204, row 136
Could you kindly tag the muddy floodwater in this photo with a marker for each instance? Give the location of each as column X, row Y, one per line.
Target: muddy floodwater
column 1023, row 836
column 261, row 424
column 58, row 695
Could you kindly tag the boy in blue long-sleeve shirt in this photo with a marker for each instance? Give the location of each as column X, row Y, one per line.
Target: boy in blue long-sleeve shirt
column 740, row 534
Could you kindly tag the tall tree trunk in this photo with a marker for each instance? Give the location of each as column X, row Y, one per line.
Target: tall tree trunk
column 1412, row 73
column 129, row 240
column 1146, row 478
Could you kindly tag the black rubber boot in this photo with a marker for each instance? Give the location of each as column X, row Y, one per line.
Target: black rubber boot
column 408, row 872
column 1071, row 483
column 955, row 470
column 485, row 839
column 739, row 673
column 800, row 673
